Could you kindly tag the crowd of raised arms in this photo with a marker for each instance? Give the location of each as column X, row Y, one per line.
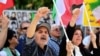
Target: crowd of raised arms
column 45, row 39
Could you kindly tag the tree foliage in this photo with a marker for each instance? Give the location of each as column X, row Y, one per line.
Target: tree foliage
column 32, row 4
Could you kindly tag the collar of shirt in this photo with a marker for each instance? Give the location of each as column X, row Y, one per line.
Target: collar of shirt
column 56, row 40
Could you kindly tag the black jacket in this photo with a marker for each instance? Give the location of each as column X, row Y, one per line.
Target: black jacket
column 70, row 32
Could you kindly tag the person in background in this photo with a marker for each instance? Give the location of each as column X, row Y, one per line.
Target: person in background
column 86, row 40
column 88, row 43
column 55, row 38
column 75, row 34
column 11, row 43
column 97, row 51
column 21, row 38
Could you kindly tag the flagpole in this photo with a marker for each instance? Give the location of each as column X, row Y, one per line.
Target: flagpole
column 87, row 18
column 67, row 39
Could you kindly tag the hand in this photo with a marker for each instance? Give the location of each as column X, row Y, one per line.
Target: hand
column 92, row 37
column 4, row 21
column 75, row 14
column 42, row 12
column 69, row 47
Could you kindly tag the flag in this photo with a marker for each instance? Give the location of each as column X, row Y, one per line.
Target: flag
column 5, row 4
column 55, row 15
column 95, row 7
column 64, row 9
column 92, row 13
column 2, row 2
column 1, row 9
column 54, row 12
column 9, row 4
column 80, row 18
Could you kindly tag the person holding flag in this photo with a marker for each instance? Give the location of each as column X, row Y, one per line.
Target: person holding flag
column 75, row 34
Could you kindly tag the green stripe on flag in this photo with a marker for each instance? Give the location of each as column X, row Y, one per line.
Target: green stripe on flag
column 54, row 12
column 94, row 4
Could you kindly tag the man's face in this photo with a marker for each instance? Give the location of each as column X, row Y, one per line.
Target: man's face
column 24, row 27
column 41, row 36
column 55, row 31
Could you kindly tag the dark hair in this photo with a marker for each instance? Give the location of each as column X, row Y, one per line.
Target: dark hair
column 78, row 28
column 74, row 29
column 10, row 35
column 13, row 22
column 76, row 6
column 98, row 39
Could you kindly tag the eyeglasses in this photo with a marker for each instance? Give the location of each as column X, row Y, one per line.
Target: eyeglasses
column 56, row 29
column 24, row 28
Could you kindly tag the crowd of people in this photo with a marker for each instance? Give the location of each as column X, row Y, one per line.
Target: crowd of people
column 44, row 39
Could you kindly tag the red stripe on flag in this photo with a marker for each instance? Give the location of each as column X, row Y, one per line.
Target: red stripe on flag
column 1, row 8
column 77, row 2
column 66, row 17
column 9, row 4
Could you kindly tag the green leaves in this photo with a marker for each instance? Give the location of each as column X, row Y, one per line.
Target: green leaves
column 32, row 4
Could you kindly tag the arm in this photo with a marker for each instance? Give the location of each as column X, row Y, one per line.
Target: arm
column 43, row 11
column 70, row 29
column 95, row 48
column 3, row 33
column 93, row 39
column 72, row 24
column 3, row 36
column 75, row 14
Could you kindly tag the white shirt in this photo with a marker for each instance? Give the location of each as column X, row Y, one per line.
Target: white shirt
column 86, row 41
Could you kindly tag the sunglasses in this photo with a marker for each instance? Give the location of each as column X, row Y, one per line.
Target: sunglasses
column 24, row 28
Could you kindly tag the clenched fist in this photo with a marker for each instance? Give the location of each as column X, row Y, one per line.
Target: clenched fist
column 42, row 12
column 69, row 48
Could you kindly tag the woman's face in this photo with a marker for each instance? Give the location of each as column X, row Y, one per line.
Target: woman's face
column 14, row 41
column 77, row 37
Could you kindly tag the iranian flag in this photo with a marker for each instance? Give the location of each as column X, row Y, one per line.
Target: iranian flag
column 64, row 8
column 95, row 7
column 5, row 4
